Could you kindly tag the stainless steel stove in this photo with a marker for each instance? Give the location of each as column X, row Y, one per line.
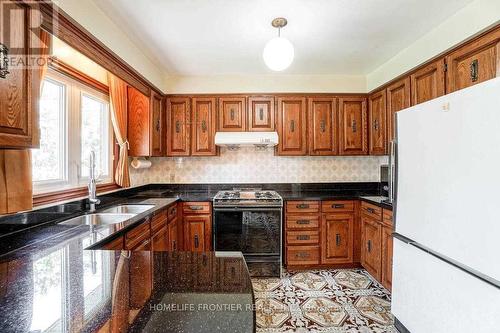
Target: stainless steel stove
column 250, row 221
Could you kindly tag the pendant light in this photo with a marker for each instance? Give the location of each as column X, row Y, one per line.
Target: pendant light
column 278, row 53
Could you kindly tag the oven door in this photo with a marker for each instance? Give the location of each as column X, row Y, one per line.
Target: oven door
column 254, row 231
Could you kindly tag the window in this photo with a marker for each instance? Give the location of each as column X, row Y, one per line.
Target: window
column 74, row 120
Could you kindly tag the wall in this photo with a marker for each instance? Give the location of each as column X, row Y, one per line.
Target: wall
column 249, row 165
column 101, row 26
column 467, row 22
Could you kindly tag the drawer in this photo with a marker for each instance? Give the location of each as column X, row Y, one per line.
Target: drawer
column 371, row 210
column 302, row 255
column 302, row 207
column 337, row 206
column 196, row 207
column 159, row 220
column 172, row 212
column 137, row 235
column 387, row 217
column 302, row 221
column 302, row 237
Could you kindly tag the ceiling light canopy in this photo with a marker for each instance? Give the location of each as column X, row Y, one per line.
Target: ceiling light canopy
column 279, row 52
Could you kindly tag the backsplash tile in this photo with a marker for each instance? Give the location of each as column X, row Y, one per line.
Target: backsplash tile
column 248, row 165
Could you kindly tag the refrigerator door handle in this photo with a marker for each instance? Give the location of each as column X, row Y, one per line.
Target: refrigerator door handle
column 392, row 161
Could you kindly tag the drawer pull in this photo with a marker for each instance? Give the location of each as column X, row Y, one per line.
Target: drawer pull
column 302, row 206
column 196, row 241
column 370, row 210
column 174, row 245
column 337, row 206
column 369, row 246
column 302, row 255
column 261, row 114
column 303, row 237
column 303, row 221
column 474, row 70
column 196, row 207
column 337, row 239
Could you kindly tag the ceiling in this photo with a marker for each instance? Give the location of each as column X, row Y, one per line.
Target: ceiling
column 221, row 37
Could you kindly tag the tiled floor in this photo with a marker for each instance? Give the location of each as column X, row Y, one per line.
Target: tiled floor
column 344, row 300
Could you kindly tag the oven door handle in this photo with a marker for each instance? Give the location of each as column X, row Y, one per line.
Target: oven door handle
column 246, row 209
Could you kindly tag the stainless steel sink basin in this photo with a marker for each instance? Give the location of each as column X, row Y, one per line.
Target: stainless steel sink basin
column 128, row 209
column 99, row 219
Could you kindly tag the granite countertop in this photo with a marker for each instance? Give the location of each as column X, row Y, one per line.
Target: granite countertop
column 377, row 200
column 67, row 289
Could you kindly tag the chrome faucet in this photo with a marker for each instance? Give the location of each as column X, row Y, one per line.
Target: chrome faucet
column 92, row 183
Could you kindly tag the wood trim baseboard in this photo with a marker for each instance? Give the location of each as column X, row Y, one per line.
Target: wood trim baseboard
column 58, row 196
column 65, row 69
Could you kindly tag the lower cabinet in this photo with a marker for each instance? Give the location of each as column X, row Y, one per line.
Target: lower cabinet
column 197, row 226
column 386, row 274
column 371, row 236
column 336, row 240
column 159, row 240
column 173, row 235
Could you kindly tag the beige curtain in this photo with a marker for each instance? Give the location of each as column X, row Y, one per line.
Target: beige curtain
column 118, row 103
column 16, row 186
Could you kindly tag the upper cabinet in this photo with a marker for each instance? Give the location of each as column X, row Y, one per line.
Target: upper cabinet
column 158, row 125
column 323, row 126
column 292, row 126
column 352, row 126
column 178, row 126
column 473, row 63
column 203, row 123
column 232, row 114
column 428, row 82
column 139, row 123
column 260, row 113
column 377, row 116
column 20, row 89
column 398, row 98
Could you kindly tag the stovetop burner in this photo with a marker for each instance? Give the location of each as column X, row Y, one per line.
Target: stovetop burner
column 245, row 197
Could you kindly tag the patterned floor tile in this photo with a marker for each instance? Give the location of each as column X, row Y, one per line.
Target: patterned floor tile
column 337, row 301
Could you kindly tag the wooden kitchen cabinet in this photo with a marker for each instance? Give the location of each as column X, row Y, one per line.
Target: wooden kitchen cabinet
column 473, row 63
column 159, row 241
column 178, row 126
column 337, row 238
column 428, row 82
column 173, row 235
column 203, row 127
column 261, row 114
column 157, row 125
column 292, row 126
column 398, row 98
column 353, row 126
column 371, row 235
column 386, row 269
column 377, row 120
column 323, row 126
column 232, row 114
column 197, row 233
column 139, row 123
column 20, row 89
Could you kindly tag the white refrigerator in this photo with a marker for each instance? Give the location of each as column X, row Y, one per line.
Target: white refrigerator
column 446, row 269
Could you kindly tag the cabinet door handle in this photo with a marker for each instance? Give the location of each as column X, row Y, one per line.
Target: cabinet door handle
column 196, row 207
column 322, row 126
column 303, row 221
column 177, row 126
column 4, row 61
column 375, row 125
column 474, row 70
column 302, row 255
column 231, row 114
column 370, row 210
column 204, row 126
column 302, row 206
column 303, row 237
column 369, row 246
column 292, row 126
column 196, row 241
column 354, row 126
column 338, row 206
column 174, row 245
column 261, row 114
column 337, row 239
column 158, row 125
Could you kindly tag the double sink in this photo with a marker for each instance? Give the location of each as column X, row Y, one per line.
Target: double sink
column 112, row 215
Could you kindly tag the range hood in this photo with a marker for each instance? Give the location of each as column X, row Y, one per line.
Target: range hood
column 241, row 139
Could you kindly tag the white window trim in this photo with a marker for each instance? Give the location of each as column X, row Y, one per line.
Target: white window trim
column 71, row 146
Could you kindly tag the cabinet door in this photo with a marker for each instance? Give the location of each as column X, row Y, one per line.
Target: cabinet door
column 377, row 123
column 178, row 126
column 197, row 233
column 260, row 114
column 292, row 127
column 157, row 125
column 139, row 121
column 336, row 239
column 159, row 241
column 232, row 114
column 352, row 126
column 173, row 238
column 428, row 82
column 386, row 273
column 203, row 123
column 20, row 89
column 323, row 126
column 371, row 246
column 473, row 63
column 398, row 98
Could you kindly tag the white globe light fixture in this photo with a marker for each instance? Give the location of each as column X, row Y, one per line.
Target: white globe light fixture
column 278, row 53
